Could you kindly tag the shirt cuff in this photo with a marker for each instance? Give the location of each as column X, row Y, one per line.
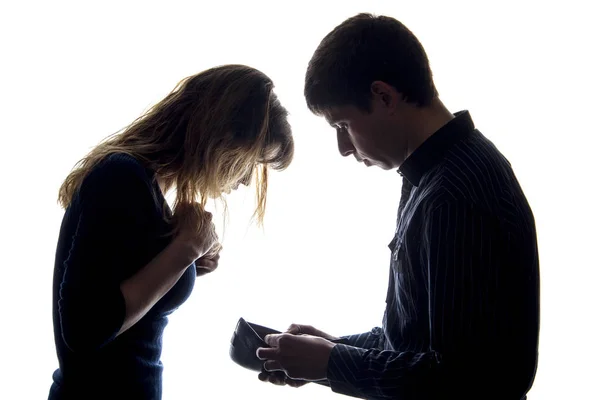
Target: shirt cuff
column 345, row 371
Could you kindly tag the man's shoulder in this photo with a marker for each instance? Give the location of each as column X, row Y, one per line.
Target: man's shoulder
column 476, row 159
column 474, row 173
column 474, row 168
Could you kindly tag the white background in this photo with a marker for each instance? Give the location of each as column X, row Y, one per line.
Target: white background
column 73, row 72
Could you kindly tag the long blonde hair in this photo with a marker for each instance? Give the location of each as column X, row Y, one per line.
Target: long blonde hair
column 215, row 129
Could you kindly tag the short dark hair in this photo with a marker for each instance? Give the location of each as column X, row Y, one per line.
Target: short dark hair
column 363, row 49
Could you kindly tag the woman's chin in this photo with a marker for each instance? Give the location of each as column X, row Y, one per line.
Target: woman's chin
column 215, row 196
column 231, row 189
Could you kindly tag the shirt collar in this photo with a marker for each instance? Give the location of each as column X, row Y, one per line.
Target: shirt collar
column 433, row 150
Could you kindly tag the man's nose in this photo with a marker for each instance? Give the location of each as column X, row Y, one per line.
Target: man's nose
column 344, row 144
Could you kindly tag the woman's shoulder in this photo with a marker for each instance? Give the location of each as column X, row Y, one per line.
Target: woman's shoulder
column 118, row 171
column 122, row 164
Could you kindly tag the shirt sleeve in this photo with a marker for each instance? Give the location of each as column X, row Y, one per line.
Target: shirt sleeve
column 367, row 340
column 111, row 209
column 462, row 252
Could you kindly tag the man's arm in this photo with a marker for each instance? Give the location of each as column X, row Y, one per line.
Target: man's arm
column 466, row 252
column 367, row 340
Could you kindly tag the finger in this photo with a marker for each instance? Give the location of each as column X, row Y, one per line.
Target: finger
column 213, row 251
column 278, row 376
column 272, row 366
column 298, row 329
column 265, row 353
column 206, row 263
column 296, row 383
column 309, row 330
column 274, row 338
column 294, row 329
column 276, row 380
column 210, row 267
column 207, row 215
column 203, row 271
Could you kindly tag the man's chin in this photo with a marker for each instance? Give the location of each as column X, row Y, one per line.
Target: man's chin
column 384, row 166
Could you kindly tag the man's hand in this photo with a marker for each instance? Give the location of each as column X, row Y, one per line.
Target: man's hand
column 301, row 357
column 206, row 264
column 279, row 377
column 297, row 329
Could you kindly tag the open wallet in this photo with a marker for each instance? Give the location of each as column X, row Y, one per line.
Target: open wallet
column 246, row 339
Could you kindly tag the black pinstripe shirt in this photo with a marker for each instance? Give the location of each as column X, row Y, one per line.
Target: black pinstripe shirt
column 462, row 314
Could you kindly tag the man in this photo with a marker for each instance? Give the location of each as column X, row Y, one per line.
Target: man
column 462, row 314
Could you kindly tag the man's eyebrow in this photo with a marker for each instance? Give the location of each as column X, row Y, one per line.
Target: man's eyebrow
column 331, row 122
column 330, row 119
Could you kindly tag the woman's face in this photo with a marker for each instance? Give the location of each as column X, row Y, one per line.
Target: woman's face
column 245, row 180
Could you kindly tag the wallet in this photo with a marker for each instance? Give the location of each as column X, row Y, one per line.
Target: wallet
column 246, row 339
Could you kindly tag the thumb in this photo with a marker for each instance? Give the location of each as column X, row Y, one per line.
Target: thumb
column 296, row 329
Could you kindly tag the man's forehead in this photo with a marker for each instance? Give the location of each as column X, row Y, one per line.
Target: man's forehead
column 332, row 115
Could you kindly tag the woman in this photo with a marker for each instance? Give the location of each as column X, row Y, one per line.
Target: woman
column 124, row 261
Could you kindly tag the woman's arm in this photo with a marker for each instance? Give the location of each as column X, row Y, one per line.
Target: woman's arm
column 145, row 288
column 116, row 209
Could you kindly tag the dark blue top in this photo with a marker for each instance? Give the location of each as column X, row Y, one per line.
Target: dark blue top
column 113, row 227
column 462, row 316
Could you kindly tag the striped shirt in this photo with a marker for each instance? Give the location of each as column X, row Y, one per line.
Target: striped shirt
column 462, row 313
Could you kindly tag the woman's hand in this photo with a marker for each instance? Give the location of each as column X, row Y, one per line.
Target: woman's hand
column 194, row 238
column 196, row 233
column 209, row 262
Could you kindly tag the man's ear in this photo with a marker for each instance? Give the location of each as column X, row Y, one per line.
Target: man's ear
column 386, row 96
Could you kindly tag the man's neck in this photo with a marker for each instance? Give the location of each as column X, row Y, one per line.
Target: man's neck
column 425, row 122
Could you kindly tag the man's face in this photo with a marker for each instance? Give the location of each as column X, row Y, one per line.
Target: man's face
column 370, row 137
